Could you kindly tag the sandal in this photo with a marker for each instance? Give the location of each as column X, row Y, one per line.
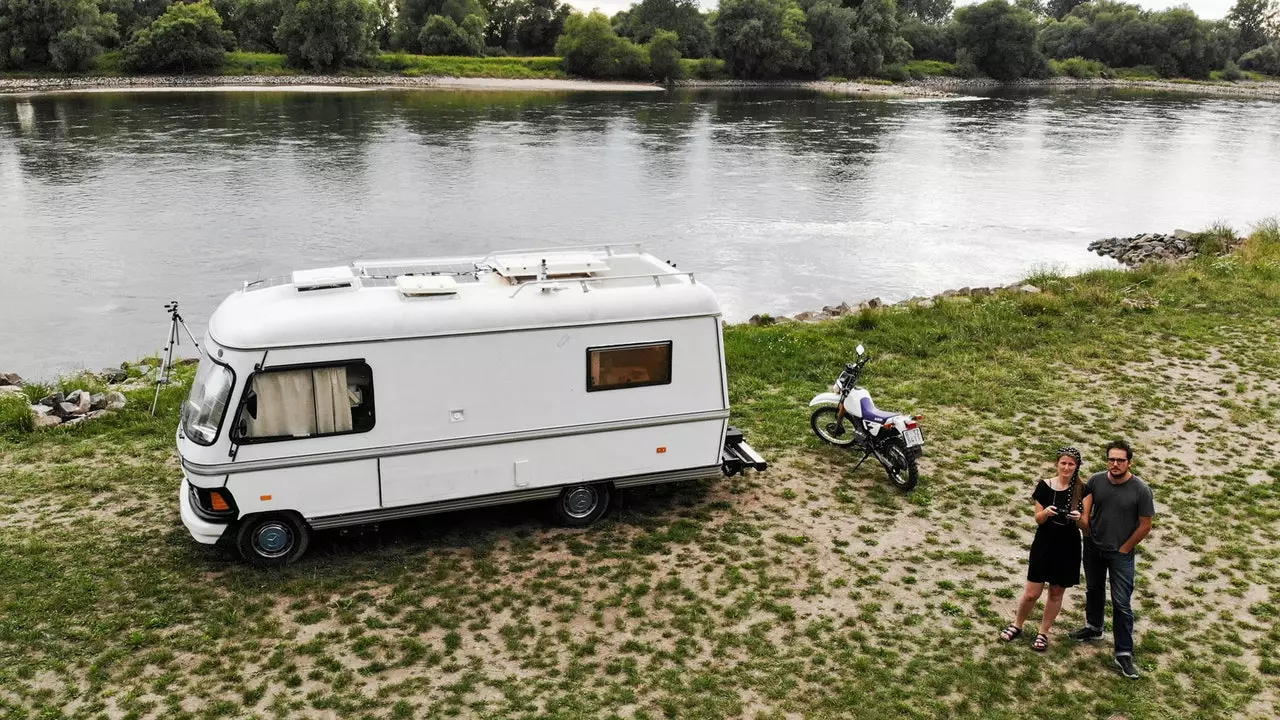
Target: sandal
column 1041, row 642
column 1010, row 633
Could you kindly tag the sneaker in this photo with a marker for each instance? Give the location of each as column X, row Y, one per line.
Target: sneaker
column 1086, row 634
column 1127, row 668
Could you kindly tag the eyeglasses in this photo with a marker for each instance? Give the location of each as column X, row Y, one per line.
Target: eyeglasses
column 1117, row 460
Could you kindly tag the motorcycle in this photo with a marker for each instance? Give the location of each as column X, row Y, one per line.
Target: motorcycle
column 847, row 418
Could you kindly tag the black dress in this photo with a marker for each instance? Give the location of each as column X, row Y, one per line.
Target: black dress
column 1055, row 552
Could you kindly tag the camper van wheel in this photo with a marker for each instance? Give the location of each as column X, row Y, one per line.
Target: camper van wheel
column 272, row 540
column 581, row 505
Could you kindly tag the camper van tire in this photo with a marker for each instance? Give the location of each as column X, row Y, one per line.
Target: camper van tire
column 272, row 539
column 581, row 505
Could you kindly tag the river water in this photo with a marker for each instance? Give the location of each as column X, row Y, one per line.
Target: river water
column 113, row 203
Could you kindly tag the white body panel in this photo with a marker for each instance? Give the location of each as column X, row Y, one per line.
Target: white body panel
column 478, row 393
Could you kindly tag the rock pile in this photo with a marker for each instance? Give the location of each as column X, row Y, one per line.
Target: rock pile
column 964, row 294
column 1148, row 247
column 71, row 409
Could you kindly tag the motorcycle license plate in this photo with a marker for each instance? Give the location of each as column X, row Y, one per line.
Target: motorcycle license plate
column 914, row 438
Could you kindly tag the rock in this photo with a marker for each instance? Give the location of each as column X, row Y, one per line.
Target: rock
column 65, row 410
column 52, row 399
column 97, row 401
column 10, row 379
column 187, row 361
column 837, row 310
column 925, row 303
column 115, row 401
column 807, row 316
column 980, row 292
column 1182, row 234
column 74, row 397
column 875, row 302
column 113, row 375
column 761, row 319
column 1028, row 288
column 40, row 410
column 48, row 420
column 10, row 390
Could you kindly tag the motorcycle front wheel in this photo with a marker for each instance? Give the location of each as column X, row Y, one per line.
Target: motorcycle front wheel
column 825, row 426
column 900, row 466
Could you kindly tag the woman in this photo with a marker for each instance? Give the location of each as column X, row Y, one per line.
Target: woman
column 1055, row 552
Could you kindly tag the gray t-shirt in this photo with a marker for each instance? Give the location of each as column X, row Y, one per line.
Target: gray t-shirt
column 1116, row 509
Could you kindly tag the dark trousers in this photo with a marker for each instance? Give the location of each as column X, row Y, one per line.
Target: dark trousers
column 1098, row 564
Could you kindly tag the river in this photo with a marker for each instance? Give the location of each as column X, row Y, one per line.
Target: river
column 112, row 203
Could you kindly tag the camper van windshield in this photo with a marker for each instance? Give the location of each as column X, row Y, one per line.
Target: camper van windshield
column 202, row 412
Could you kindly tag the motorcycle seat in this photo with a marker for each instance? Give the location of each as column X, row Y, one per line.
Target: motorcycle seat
column 869, row 412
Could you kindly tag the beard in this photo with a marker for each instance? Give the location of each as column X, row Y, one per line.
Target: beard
column 1116, row 475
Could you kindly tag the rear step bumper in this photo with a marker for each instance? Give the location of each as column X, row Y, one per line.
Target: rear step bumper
column 737, row 455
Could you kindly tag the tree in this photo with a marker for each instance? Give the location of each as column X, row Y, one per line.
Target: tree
column 1185, row 43
column 591, row 48
column 1001, row 39
column 928, row 41
column 762, row 38
column 186, row 37
column 876, row 41
column 253, row 22
column 1067, row 38
column 1265, row 59
column 412, row 16
column 540, row 25
column 682, row 17
column 1256, row 20
column 63, row 34
column 664, row 55
column 327, row 34
column 442, row 36
column 927, row 11
column 830, row 28
column 1058, row 9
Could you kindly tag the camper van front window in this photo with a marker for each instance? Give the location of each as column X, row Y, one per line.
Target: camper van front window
column 202, row 412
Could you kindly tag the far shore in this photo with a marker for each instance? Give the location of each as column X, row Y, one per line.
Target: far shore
column 932, row 87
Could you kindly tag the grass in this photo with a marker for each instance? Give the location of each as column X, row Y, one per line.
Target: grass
column 930, row 68
column 809, row 590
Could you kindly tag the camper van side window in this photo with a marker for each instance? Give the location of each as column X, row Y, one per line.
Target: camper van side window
column 310, row 401
column 628, row 366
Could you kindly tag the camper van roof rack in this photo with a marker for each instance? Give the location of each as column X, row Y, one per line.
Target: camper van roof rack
column 608, row 249
column 657, row 279
column 545, row 265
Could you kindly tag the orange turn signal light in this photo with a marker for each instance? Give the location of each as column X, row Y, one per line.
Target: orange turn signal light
column 264, row 498
column 217, row 502
column 662, row 450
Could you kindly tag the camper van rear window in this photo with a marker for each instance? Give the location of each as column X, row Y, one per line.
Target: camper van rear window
column 301, row 402
column 628, row 366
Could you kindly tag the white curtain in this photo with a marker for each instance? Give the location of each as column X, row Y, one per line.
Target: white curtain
column 299, row 403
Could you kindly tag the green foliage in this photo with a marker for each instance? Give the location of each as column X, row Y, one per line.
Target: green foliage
column 1058, row 9
column 1257, row 21
column 254, row 22
column 707, row 68
column 1078, row 67
column 328, row 34
column 930, row 12
column 1001, row 40
column 830, row 29
column 929, row 41
column 529, row 27
column 1231, row 72
column 409, row 29
column 15, row 414
column 876, row 41
column 442, row 36
column 664, row 56
column 186, row 37
column 65, row 35
column 592, row 49
column 454, row 66
column 1265, row 59
column 683, row 17
column 930, row 68
column 762, row 38
column 255, row 63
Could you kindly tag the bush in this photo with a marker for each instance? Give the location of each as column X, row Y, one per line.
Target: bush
column 328, row 34
column 762, row 38
column 1078, row 67
column 15, row 414
column 1231, row 72
column 1265, row 59
column 1000, row 39
column 67, row 35
column 592, row 49
column 965, row 65
column 897, row 73
column 186, row 37
column 707, row 68
column 664, row 56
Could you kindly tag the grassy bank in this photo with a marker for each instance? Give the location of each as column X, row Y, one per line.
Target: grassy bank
column 808, row 590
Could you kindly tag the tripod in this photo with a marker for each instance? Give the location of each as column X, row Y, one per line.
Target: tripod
column 162, row 374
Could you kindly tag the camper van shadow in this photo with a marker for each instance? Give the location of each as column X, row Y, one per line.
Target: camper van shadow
column 482, row 528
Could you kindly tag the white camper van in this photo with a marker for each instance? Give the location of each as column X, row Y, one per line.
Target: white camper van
column 381, row 390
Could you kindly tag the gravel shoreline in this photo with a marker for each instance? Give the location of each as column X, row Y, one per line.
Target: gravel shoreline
column 935, row 87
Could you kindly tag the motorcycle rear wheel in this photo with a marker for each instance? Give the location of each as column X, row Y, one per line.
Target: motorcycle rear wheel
column 823, row 421
column 901, row 466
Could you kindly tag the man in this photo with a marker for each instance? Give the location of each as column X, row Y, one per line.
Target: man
column 1118, row 507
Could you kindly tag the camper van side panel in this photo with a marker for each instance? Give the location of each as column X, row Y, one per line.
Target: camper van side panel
column 311, row 490
column 548, row 462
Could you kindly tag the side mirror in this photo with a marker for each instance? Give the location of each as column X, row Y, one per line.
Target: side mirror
column 860, row 350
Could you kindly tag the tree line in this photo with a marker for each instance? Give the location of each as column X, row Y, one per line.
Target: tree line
column 755, row 39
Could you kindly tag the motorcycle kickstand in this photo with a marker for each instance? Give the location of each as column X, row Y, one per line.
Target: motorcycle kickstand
column 865, row 455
